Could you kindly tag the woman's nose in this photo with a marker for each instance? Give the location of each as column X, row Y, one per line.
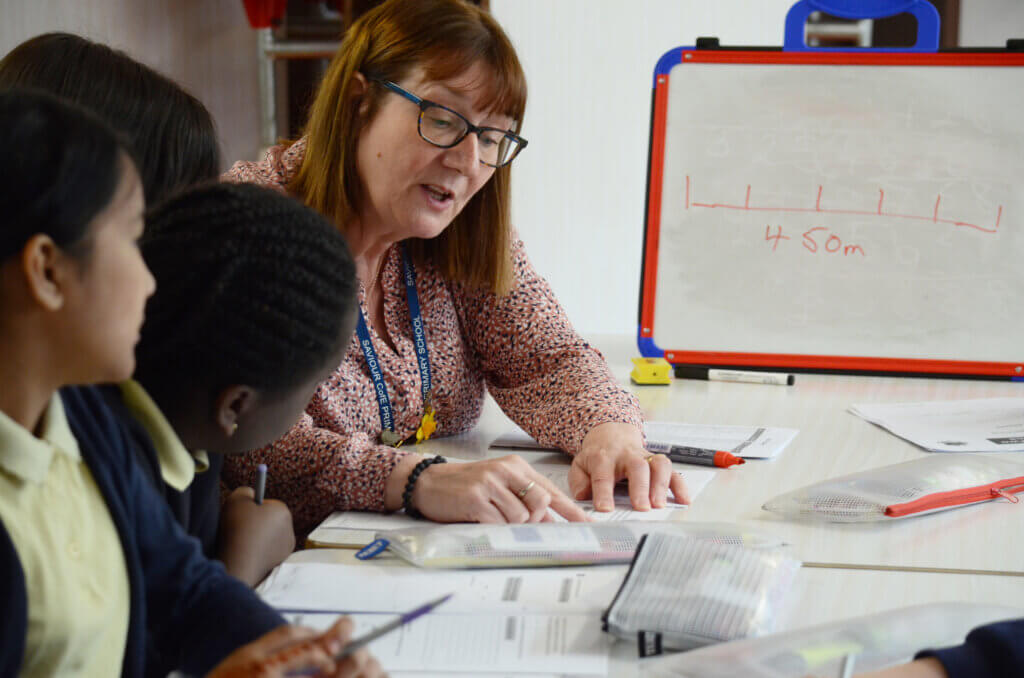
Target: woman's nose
column 465, row 155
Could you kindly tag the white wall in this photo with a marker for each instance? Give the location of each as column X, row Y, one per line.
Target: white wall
column 579, row 187
column 205, row 45
column 989, row 23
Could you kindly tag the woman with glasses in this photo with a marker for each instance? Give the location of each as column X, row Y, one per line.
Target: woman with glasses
column 407, row 150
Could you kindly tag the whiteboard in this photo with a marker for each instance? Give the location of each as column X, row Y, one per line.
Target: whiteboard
column 842, row 210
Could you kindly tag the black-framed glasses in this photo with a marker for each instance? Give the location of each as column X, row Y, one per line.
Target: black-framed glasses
column 442, row 127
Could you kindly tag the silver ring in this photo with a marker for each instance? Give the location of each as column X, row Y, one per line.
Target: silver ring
column 522, row 493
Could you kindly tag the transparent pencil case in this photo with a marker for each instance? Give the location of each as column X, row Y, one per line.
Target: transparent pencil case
column 681, row 593
column 545, row 544
column 872, row 642
column 925, row 485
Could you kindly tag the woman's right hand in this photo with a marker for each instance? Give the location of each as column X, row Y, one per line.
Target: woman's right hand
column 291, row 650
column 503, row 490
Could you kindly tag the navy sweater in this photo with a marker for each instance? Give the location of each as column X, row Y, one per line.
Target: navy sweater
column 197, row 508
column 992, row 651
column 194, row 611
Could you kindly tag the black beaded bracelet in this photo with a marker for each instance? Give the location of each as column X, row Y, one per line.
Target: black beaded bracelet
column 414, row 475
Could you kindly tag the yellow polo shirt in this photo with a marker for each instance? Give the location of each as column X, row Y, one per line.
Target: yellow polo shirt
column 75, row 575
column 178, row 467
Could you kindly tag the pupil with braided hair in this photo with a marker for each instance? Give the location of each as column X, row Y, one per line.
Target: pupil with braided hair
column 255, row 304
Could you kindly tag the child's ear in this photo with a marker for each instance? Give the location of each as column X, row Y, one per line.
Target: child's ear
column 46, row 269
column 230, row 405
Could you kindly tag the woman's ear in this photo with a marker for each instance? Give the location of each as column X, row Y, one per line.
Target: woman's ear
column 230, row 405
column 46, row 270
column 360, row 85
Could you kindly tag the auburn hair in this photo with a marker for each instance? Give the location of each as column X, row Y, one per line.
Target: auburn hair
column 443, row 38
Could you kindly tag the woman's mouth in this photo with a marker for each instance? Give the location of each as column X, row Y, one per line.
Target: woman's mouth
column 438, row 194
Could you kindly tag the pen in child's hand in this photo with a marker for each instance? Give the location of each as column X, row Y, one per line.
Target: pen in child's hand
column 373, row 635
column 846, row 667
column 261, row 483
column 362, row 641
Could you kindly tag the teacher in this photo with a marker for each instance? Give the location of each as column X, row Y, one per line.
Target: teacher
column 407, row 150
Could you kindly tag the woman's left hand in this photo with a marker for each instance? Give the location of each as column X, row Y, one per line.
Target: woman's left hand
column 612, row 452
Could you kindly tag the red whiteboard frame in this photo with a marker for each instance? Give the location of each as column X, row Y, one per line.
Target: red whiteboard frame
column 645, row 331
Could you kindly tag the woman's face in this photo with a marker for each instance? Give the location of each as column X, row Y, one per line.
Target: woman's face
column 106, row 297
column 410, row 187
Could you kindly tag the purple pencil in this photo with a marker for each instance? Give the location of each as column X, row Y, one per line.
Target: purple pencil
column 390, row 626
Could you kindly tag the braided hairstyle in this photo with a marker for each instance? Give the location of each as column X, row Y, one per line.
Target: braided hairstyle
column 253, row 288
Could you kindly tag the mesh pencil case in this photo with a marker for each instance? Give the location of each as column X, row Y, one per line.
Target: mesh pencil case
column 925, row 485
column 681, row 592
column 877, row 641
column 544, row 544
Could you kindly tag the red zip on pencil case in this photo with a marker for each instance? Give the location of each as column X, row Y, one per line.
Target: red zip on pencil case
column 1008, row 489
column 936, row 482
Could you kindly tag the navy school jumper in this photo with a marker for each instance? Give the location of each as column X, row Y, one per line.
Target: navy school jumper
column 194, row 611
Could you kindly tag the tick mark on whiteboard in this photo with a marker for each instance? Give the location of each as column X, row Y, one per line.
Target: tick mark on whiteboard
column 878, row 211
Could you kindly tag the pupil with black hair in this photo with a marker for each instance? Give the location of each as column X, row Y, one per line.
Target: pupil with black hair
column 94, row 571
column 172, row 138
column 169, row 132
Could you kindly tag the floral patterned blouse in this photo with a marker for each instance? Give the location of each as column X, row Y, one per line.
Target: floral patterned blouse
column 520, row 346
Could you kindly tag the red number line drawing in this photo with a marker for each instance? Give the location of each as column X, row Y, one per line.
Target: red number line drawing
column 933, row 217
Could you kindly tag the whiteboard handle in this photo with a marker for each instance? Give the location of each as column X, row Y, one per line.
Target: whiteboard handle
column 925, row 12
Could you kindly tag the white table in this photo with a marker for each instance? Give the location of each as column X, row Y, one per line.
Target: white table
column 831, row 442
column 970, row 554
column 821, row 595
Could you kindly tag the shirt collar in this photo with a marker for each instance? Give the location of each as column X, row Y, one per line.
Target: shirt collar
column 29, row 457
column 177, row 466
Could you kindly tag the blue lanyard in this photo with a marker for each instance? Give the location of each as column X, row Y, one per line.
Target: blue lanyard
column 387, row 417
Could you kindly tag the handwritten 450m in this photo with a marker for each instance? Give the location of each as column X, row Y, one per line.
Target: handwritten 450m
column 832, row 244
column 819, row 238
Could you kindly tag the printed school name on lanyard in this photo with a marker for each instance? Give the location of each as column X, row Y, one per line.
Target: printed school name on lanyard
column 427, row 425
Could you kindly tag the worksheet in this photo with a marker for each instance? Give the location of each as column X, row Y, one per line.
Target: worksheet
column 342, row 588
column 982, row 425
column 479, row 644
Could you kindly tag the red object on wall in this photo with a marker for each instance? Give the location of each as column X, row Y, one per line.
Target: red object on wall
column 263, row 13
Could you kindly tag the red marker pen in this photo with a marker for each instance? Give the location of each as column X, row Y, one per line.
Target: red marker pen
column 704, row 457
